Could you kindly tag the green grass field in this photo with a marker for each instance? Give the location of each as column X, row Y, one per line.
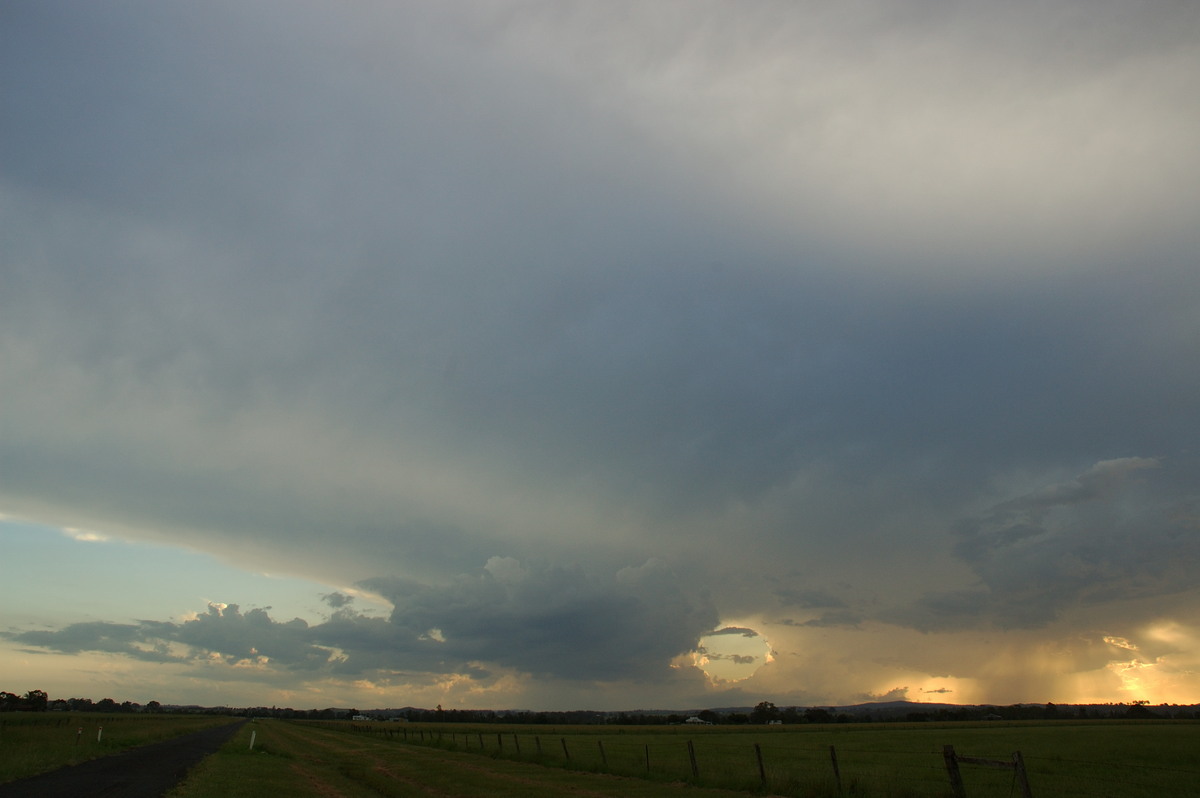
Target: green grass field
column 1131, row 759
column 303, row 760
column 1095, row 759
column 32, row 743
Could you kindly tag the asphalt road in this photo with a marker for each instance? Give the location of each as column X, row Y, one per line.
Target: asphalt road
column 144, row 772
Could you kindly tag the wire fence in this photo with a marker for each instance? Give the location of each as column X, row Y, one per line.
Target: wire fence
column 786, row 765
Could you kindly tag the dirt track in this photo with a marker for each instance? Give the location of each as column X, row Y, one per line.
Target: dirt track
column 144, row 772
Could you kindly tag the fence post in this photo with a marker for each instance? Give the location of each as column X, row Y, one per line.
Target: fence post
column 1022, row 776
column 516, row 743
column 480, row 741
column 692, row 757
column 499, row 742
column 537, row 741
column 837, row 772
column 603, row 756
column 956, row 782
column 762, row 772
column 566, row 753
column 647, row 757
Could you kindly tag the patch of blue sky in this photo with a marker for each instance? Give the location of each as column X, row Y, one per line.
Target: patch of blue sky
column 53, row 574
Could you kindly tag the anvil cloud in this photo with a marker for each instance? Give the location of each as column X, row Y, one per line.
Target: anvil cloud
column 544, row 340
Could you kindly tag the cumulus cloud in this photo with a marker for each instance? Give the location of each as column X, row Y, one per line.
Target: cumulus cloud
column 553, row 620
column 562, row 623
column 223, row 631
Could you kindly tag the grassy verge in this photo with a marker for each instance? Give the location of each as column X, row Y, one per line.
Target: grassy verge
column 298, row 760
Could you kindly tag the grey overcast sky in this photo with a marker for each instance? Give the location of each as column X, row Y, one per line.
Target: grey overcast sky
column 600, row 354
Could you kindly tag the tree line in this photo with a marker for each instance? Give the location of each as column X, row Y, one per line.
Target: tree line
column 39, row 701
column 764, row 712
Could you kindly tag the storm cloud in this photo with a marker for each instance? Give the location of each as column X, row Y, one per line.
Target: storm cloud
column 554, row 622
column 578, row 332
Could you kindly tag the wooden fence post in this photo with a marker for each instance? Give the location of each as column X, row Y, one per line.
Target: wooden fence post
column 537, row 741
column 499, row 742
column 603, row 756
column 837, row 773
column 566, row 753
column 480, row 740
column 956, row 782
column 1016, row 764
column 1022, row 776
column 516, row 743
column 692, row 757
column 762, row 772
column 647, row 757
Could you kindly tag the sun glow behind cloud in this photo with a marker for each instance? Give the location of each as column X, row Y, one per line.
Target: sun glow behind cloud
column 732, row 653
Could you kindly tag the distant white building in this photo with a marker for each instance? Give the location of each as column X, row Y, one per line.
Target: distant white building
column 695, row 721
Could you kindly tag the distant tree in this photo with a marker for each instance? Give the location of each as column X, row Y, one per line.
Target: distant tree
column 764, row 711
column 708, row 716
column 153, row 706
column 106, row 705
column 818, row 715
column 36, row 700
column 9, row 701
column 1140, row 711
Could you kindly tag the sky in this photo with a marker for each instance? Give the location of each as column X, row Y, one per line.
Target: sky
column 600, row 354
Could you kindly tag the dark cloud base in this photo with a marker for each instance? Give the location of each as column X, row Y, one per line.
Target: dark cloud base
column 553, row 622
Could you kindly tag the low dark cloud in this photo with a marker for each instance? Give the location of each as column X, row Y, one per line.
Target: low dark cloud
column 337, row 600
column 733, row 630
column 895, row 694
column 1123, row 529
column 844, row 618
column 563, row 623
column 222, row 631
column 144, row 641
column 550, row 620
column 808, row 599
